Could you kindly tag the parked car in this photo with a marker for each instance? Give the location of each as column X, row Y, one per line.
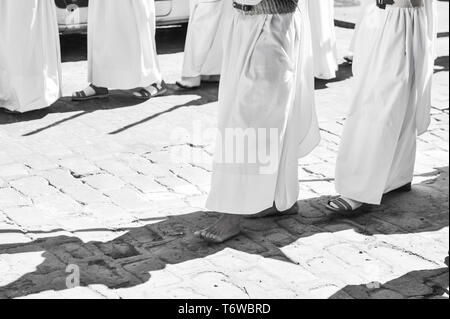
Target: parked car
column 73, row 14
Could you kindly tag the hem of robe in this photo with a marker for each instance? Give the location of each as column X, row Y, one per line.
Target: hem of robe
column 34, row 106
column 199, row 74
column 121, row 85
column 371, row 199
column 262, row 187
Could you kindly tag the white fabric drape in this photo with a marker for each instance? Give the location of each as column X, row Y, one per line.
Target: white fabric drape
column 121, row 44
column 393, row 68
column 204, row 41
column 321, row 14
column 30, row 60
column 367, row 6
column 267, row 83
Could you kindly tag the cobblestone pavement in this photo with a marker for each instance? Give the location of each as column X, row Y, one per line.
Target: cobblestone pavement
column 107, row 188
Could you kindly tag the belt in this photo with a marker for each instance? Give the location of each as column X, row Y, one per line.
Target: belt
column 267, row 7
column 400, row 3
column 243, row 7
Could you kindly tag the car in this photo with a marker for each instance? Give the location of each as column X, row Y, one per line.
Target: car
column 73, row 14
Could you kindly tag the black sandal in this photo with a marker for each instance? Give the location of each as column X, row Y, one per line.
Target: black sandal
column 344, row 208
column 144, row 94
column 100, row 93
column 185, row 87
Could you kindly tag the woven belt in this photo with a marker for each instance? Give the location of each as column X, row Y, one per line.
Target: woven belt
column 243, row 7
column 268, row 7
column 400, row 3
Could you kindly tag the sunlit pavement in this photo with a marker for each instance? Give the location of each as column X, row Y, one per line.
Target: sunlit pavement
column 99, row 200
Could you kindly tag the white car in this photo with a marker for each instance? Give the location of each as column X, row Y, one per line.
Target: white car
column 73, row 14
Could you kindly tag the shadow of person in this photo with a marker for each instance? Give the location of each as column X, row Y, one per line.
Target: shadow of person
column 128, row 260
column 421, row 284
column 117, row 99
column 344, row 72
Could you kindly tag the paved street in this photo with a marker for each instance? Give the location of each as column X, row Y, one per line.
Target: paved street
column 112, row 191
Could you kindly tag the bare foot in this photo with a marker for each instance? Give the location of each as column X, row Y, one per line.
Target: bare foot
column 227, row 227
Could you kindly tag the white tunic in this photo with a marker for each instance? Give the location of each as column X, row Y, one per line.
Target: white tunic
column 30, row 60
column 321, row 14
column 393, row 68
column 367, row 6
column 121, row 44
column 267, row 86
column 204, row 41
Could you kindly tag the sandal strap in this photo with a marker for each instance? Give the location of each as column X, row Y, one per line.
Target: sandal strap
column 157, row 86
column 99, row 90
column 342, row 204
column 81, row 94
column 144, row 93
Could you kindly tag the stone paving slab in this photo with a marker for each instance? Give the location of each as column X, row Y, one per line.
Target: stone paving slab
column 114, row 189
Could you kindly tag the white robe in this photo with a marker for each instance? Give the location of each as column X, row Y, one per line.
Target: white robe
column 393, row 69
column 121, row 44
column 321, row 14
column 30, row 59
column 267, row 83
column 204, row 40
column 367, row 6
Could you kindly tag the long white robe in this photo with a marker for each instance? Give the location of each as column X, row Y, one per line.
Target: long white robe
column 321, row 14
column 393, row 68
column 267, row 84
column 121, row 44
column 30, row 59
column 204, row 41
column 367, row 6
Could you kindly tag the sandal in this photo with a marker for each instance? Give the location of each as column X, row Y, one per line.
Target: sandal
column 348, row 59
column 344, row 207
column 144, row 94
column 100, row 93
column 185, row 87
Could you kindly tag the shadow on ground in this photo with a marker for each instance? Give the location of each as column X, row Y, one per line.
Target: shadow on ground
column 344, row 72
column 431, row 284
column 118, row 99
column 128, row 260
